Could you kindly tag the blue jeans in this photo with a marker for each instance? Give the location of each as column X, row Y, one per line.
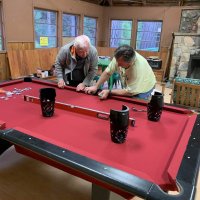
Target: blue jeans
column 145, row 95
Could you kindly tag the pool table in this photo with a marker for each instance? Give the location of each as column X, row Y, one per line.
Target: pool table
column 156, row 157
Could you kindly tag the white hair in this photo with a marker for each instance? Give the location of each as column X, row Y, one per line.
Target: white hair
column 82, row 41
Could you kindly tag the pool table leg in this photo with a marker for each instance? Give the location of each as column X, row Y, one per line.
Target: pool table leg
column 99, row 193
column 4, row 145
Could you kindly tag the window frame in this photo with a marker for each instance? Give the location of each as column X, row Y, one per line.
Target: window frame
column 96, row 18
column 48, row 10
column 2, row 27
column 110, row 30
column 150, row 32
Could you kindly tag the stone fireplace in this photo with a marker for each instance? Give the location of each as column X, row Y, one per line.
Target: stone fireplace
column 186, row 46
column 186, row 56
column 194, row 67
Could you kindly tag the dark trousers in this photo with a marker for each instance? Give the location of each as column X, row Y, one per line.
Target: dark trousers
column 73, row 83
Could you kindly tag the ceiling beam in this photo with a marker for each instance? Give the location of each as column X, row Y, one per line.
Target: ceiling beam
column 144, row 2
column 105, row 2
column 131, row 1
column 110, row 2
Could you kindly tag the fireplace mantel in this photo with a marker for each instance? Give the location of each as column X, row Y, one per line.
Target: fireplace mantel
column 184, row 45
column 186, row 34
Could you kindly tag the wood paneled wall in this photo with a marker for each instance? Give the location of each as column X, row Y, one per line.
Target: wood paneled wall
column 4, row 64
column 4, row 67
column 105, row 51
column 26, row 62
column 162, row 54
column 20, row 45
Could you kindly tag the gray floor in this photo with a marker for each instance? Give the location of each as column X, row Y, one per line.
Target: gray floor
column 22, row 178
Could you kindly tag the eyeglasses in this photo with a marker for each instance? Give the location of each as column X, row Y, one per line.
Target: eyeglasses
column 82, row 51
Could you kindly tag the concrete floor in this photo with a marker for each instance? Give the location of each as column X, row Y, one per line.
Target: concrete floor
column 167, row 92
column 23, row 178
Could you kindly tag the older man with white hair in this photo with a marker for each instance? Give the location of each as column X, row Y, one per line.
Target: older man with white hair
column 76, row 63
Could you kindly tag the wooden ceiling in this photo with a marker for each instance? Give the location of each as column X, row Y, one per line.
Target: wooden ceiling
column 145, row 2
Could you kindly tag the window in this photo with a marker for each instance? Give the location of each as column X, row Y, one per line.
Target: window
column 148, row 35
column 120, row 32
column 1, row 29
column 70, row 25
column 45, row 28
column 90, row 28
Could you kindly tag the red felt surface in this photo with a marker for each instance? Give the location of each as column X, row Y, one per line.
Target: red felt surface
column 153, row 150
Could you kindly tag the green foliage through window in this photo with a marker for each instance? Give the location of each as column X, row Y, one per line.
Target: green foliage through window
column 45, row 27
column 90, row 29
column 70, row 25
column 148, row 35
column 120, row 32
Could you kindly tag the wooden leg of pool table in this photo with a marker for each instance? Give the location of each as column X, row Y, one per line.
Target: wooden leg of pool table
column 99, row 193
column 4, row 145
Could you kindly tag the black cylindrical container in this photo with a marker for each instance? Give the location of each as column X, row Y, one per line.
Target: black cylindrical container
column 47, row 101
column 155, row 106
column 119, row 122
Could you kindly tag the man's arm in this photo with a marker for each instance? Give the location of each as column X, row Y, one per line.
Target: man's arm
column 120, row 92
column 104, row 77
column 60, row 60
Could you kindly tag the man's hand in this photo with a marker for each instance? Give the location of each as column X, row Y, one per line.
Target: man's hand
column 91, row 90
column 61, row 83
column 103, row 94
column 80, row 87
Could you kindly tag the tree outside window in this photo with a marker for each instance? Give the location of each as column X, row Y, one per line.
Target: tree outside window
column 70, row 25
column 148, row 35
column 120, row 32
column 90, row 29
column 45, row 28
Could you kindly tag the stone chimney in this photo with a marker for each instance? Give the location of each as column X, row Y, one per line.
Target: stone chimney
column 186, row 43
